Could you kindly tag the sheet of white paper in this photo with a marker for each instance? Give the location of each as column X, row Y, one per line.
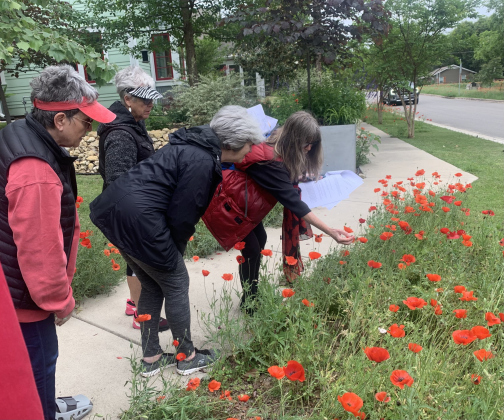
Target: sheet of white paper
column 266, row 123
column 329, row 191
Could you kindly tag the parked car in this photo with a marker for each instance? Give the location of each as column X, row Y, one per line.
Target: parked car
column 393, row 97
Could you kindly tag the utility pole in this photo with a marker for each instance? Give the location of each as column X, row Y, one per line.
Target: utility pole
column 460, row 74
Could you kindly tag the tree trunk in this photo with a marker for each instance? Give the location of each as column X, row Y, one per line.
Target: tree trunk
column 380, row 105
column 5, row 108
column 308, row 75
column 186, row 11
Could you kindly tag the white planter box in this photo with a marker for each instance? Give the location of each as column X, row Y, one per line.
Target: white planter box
column 338, row 142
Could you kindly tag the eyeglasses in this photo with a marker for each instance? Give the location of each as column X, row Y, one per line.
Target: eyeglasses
column 146, row 102
column 88, row 123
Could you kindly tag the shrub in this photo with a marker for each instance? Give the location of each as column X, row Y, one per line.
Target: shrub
column 365, row 140
column 282, row 105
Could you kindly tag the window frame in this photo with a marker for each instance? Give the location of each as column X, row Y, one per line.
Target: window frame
column 166, row 34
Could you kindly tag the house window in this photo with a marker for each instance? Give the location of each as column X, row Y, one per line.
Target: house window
column 162, row 58
column 145, row 56
column 464, row 77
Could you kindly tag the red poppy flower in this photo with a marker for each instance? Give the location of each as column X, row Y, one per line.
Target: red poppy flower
column 106, row 252
column 414, row 303
column 463, row 337
column 276, row 372
column 79, row 199
column 377, row 190
column 457, row 203
column 452, row 235
column 382, row 397
column 460, row 313
column 351, row 402
column 287, row 293
column 467, row 243
column 362, row 240
column 175, row 343
column 445, row 209
column 225, row 394
column 501, row 316
column 240, row 259
column 214, row 385
column 415, row 348
column 85, row 234
column 160, row 398
column 482, row 355
column 447, row 198
column 85, row 242
column 420, row 172
column 393, row 308
column 372, row 208
column 467, row 296
column 291, row 260
column 433, row 277
column 267, row 252
column 318, row 238
column 361, row 221
column 243, row 397
column 459, row 289
column 193, row 384
column 385, row 236
column 408, row 259
column 306, row 302
column 401, row 266
column 377, row 354
column 409, row 209
column 347, row 229
column 294, row 371
column 444, row 231
column 480, row 332
column 205, row 272
column 374, row 264
column 342, row 262
column 143, row 318
column 239, row 246
column 492, row 319
column 400, row 378
column 195, row 258
column 476, row 379
column 345, row 253
column 115, row 266
column 458, row 174
column 488, row 212
column 191, row 239
column 433, row 302
column 227, row 277
column 438, row 310
column 439, row 289
column 180, row 357
column 314, row 255
column 396, row 331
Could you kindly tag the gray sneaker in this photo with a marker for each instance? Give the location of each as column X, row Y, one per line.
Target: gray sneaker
column 151, row 369
column 202, row 360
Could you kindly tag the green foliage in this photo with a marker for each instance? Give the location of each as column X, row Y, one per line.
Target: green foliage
column 209, row 55
column 365, row 140
column 495, row 92
column 282, row 105
column 490, row 71
column 166, row 117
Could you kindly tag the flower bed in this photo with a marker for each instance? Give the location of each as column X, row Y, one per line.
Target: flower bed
column 406, row 324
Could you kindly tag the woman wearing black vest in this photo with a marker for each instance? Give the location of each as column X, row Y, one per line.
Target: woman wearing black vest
column 124, row 142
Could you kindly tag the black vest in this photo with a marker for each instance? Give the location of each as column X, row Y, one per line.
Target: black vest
column 124, row 121
column 28, row 138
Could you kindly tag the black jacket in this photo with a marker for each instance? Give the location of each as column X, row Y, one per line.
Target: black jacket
column 151, row 211
column 20, row 139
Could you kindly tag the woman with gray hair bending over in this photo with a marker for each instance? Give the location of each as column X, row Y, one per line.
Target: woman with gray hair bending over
column 39, row 225
column 123, row 143
column 150, row 213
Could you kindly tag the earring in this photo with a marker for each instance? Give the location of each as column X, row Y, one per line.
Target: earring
column 129, row 109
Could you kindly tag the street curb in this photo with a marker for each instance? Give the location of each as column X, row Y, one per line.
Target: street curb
column 464, row 99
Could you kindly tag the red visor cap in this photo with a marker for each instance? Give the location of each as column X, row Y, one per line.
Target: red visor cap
column 93, row 110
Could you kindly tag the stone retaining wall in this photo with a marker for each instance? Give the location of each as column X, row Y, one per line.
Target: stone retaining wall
column 87, row 152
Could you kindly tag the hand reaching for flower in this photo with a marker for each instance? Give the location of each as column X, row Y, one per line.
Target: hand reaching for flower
column 340, row 236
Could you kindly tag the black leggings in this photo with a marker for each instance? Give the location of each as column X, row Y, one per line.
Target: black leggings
column 255, row 242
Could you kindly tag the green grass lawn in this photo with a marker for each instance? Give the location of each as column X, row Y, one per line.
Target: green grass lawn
column 482, row 158
column 452, row 90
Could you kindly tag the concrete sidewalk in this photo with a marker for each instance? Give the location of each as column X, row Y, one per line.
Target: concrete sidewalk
column 95, row 343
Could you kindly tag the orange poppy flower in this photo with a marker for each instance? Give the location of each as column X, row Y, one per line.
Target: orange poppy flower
column 239, row 246
column 420, row 172
column 342, row 262
column 414, row 303
column 377, row 190
column 193, row 384
column 85, row 234
column 482, row 355
column 195, row 258
column 382, row 397
column 460, row 313
column 347, row 229
column 191, row 239
column 276, row 372
column 106, row 252
column 408, row 259
column 213, row 385
column 409, row 209
column 501, row 316
column 267, row 252
column 401, row 266
column 459, row 289
column 463, row 337
column 143, row 318
column 432, row 193
column 374, row 264
column 287, row 293
column 476, row 379
column 480, row 332
column 180, row 357
column 438, row 310
column 467, row 296
column 114, row 250
column 488, row 212
column 160, row 398
column 362, row 240
column 314, row 255
column 492, row 319
column 243, row 397
column 372, row 208
column 110, row 245
column 385, row 236
column 291, row 260
column 318, row 238
column 205, row 272
column 396, row 331
column 433, row 277
column 306, row 302
column 400, row 378
column 457, row 203
column 439, row 289
column 225, row 395
column 445, row 209
column 345, row 253
column 115, row 266
column 377, row 354
column 85, row 242
column 175, row 343
column 415, row 348
column 227, row 277
column 467, row 243
column 393, row 308
column 240, row 259
column 351, row 402
column 79, row 199
column 433, row 302
column 294, row 371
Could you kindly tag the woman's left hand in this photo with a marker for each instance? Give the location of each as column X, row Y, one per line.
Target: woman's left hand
column 342, row 237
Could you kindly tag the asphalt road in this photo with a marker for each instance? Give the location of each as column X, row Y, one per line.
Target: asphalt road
column 479, row 117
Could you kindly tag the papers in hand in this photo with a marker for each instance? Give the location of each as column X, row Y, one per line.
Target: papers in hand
column 266, row 123
column 329, row 191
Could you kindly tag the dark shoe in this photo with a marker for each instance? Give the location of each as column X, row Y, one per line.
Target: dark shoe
column 163, row 325
column 202, row 360
column 77, row 407
column 151, row 369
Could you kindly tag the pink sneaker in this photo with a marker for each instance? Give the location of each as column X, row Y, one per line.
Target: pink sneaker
column 130, row 308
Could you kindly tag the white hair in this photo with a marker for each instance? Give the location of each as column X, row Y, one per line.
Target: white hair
column 131, row 77
column 235, row 127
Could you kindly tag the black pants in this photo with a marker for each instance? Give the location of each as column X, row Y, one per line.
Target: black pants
column 249, row 270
